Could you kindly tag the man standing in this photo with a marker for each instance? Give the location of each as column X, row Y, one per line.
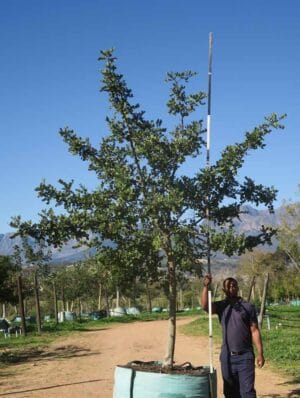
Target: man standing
column 240, row 331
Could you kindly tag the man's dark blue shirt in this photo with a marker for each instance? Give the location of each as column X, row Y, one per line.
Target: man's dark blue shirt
column 236, row 319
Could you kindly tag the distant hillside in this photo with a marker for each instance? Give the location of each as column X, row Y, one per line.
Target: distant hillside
column 67, row 255
column 249, row 223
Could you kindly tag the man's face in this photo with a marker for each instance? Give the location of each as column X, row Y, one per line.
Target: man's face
column 231, row 288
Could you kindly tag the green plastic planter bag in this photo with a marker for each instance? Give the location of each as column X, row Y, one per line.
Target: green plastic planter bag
column 130, row 383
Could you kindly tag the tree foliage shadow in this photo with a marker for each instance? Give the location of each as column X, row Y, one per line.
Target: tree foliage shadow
column 292, row 394
column 37, row 355
column 93, row 329
column 5, row 374
column 48, row 387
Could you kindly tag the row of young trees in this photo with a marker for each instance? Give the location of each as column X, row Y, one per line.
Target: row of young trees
column 88, row 286
column 83, row 288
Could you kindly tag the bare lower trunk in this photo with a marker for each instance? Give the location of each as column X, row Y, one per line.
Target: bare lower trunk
column 263, row 302
column 251, row 288
column 55, row 303
column 79, row 307
column 107, row 302
column 64, row 308
column 3, row 310
column 25, row 302
column 37, row 304
column 259, row 293
column 134, row 293
column 99, row 296
column 193, row 300
column 149, row 298
column 117, row 297
column 253, row 293
column 169, row 358
column 180, row 299
column 21, row 306
column 215, row 291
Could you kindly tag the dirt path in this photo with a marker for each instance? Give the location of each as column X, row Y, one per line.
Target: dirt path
column 83, row 365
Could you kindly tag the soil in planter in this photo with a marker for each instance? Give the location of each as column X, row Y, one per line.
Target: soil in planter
column 156, row 367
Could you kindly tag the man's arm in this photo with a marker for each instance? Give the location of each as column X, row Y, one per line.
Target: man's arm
column 204, row 295
column 257, row 341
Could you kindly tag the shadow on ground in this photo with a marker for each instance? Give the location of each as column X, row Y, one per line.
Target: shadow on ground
column 37, row 355
column 293, row 394
column 93, row 329
column 47, row 388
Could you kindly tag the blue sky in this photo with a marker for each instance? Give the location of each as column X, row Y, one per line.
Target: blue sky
column 49, row 78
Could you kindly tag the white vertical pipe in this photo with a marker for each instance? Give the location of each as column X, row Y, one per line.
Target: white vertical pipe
column 210, row 330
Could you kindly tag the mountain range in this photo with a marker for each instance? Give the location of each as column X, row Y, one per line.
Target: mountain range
column 249, row 223
column 68, row 254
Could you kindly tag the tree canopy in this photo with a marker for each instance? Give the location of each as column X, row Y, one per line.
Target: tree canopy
column 143, row 196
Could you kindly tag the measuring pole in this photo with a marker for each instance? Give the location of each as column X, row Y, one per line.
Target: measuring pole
column 209, row 100
column 207, row 201
column 208, row 142
column 210, row 332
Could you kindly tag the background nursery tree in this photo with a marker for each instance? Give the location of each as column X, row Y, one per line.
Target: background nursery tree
column 37, row 258
column 8, row 282
column 289, row 233
column 143, row 193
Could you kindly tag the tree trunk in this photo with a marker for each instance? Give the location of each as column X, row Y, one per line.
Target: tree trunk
column 149, row 297
column 55, row 303
column 118, row 298
column 63, row 299
column 181, row 300
column 251, row 287
column 215, row 291
column 3, row 310
column 253, row 293
column 107, row 302
column 21, row 306
column 25, row 303
column 99, row 296
column 134, row 293
column 263, row 302
column 79, row 306
column 259, row 293
column 169, row 358
column 193, row 300
column 37, row 303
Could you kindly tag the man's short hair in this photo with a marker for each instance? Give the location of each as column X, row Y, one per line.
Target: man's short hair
column 229, row 280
